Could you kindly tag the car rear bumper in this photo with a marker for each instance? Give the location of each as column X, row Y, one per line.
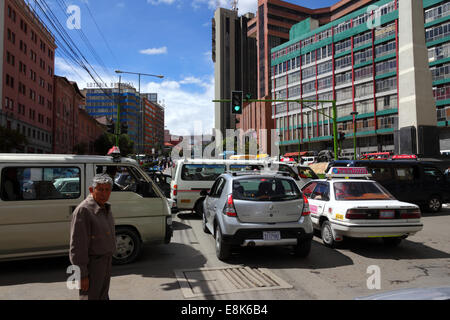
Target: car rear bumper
column 368, row 231
column 254, row 237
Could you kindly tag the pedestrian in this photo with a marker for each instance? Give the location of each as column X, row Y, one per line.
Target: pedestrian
column 93, row 241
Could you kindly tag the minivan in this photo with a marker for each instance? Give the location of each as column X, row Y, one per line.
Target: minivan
column 39, row 193
column 418, row 182
column 191, row 176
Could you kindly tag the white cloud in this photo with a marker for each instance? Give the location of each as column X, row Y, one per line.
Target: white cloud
column 184, row 109
column 244, row 6
column 154, row 51
column 157, row 2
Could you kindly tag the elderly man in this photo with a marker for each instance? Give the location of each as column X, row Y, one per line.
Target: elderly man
column 92, row 240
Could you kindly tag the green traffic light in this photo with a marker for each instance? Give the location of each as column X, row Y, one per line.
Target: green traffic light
column 237, row 108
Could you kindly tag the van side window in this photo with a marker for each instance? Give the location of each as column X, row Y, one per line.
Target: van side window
column 285, row 168
column 50, row 183
column 201, row 172
column 405, row 173
column 381, row 174
column 433, row 174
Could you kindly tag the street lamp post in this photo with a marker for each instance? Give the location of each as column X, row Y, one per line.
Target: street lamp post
column 280, row 135
column 299, row 131
column 354, row 114
column 141, row 123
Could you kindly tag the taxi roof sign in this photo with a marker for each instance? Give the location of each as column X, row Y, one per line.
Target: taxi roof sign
column 348, row 172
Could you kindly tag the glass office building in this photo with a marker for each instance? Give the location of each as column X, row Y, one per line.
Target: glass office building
column 354, row 60
column 104, row 102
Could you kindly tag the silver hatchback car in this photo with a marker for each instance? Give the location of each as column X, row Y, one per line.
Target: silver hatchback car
column 257, row 209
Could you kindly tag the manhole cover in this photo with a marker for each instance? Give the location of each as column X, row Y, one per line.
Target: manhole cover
column 212, row 281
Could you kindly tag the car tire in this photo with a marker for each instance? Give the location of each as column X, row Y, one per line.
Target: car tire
column 223, row 250
column 198, row 208
column 327, row 235
column 204, row 227
column 392, row 242
column 434, row 204
column 303, row 248
column 128, row 246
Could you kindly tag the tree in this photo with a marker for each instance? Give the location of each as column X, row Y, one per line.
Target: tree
column 81, row 148
column 107, row 140
column 11, row 139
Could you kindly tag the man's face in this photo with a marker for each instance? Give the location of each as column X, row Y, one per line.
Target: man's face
column 101, row 193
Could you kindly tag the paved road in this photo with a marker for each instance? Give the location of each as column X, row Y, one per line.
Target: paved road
column 420, row 261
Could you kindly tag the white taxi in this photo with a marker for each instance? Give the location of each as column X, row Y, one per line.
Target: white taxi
column 347, row 203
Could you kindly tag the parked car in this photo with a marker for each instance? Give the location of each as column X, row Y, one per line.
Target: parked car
column 38, row 193
column 414, row 181
column 257, row 209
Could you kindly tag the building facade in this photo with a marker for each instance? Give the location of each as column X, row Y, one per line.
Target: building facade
column 234, row 57
column 354, row 60
column 89, row 129
column 27, row 51
column 153, row 126
column 67, row 102
column 104, row 102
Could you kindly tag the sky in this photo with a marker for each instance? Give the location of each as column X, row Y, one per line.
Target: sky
column 160, row 37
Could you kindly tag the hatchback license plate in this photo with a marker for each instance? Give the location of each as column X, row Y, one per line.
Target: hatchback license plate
column 271, row 235
column 387, row 214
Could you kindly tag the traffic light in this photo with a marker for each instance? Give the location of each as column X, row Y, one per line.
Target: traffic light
column 111, row 127
column 123, row 128
column 236, row 102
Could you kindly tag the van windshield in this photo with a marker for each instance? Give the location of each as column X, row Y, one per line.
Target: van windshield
column 202, row 172
column 265, row 189
column 353, row 190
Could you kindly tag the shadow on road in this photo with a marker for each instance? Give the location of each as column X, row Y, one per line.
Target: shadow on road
column 155, row 261
column 407, row 250
column 320, row 257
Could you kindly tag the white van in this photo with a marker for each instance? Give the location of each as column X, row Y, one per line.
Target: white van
column 40, row 192
column 191, row 176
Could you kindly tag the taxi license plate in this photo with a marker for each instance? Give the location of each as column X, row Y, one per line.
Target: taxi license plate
column 387, row 214
column 271, row 235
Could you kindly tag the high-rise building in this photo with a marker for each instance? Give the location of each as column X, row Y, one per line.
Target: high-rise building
column 234, row 57
column 153, row 126
column 27, row 52
column 355, row 61
column 104, row 102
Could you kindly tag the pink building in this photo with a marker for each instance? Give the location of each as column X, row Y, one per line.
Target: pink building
column 27, row 53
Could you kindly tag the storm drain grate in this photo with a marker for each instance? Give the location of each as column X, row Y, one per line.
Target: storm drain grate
column 212, row 281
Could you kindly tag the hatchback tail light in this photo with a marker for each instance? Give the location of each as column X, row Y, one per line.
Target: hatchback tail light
column 410, row 214
column 229, row 207
column 305, row 211
column 355, row 214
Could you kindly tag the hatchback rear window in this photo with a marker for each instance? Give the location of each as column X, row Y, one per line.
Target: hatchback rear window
column 265, row 189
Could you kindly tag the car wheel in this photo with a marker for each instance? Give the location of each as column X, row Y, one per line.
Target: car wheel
column 327, row 235
column 392, row 242
column 302, row 248
column 204, row 227
column 223, row 250
column 434, row 204
column 128, row 246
